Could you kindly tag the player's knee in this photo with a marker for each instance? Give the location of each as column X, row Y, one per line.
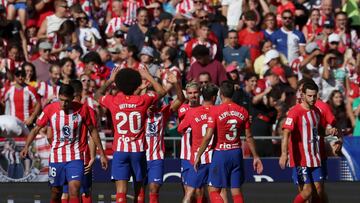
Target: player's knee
column 56, row 193
column 306, row 192
column 74, row 190
column 154, row 188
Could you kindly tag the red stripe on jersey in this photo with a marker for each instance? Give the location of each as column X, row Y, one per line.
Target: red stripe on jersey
column 185, row 151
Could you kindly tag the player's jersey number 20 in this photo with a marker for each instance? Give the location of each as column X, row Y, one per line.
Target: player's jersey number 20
column 133, row 120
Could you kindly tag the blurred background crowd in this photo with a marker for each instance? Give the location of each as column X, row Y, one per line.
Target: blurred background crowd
column 265, row 47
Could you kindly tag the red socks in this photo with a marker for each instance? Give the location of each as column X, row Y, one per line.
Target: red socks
column 200, row 199
column 64, row 200
column 215, row 197
column 141, row 196
column 299, row 199
column 74, row 200
column 86, row 199
column 238, row 198
column 120, row 197
column 154, row 197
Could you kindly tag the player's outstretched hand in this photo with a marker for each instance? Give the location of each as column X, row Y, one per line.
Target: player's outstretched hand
column 258, row 166
column 104, row 162
column 24, row 152
column 282, row 161
column 114, row 73
column 89, row 166
column 172, row 78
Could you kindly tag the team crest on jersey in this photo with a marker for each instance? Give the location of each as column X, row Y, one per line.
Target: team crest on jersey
column 288, row 121
column 75, row 117
column 151, row 129
column 66, row 131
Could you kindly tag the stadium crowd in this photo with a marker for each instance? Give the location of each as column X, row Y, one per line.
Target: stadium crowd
column 265, row 48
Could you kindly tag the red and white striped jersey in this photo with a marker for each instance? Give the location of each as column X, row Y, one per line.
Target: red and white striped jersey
column 47, row 91
column 185, row 152
column 196, row 119
column 164, row 74
column 20, row 102
column 10, row 64
column 69, row 131
column 155, row 127
column 128, row 114
column 92, row 114
column 115, row 24
column 228, row 119
column 185, row 7
column 189, row 46
column 130, row 8
column 304, row 139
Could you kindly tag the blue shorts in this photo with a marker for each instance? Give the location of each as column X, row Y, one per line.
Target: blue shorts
column 62, row 173
column 86, row 184
column 185, row 167
column 199, row 178
column 155, row 171
column 127, row 164
column 306, row 175
column 227, row 169
column 20, row 5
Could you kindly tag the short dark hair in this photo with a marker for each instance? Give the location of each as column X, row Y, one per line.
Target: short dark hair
column 77, row 85
column 275, row 93
column 209, row 91
column 172, row 53
column 127, row 80
column 200, row 51
column 310, row 86
column 250, row 75
column 92, row 56
column 206, row 73
column 132, row 48
column 66, row 90
column 227, row 89
column 232, row 31
column 303, row 81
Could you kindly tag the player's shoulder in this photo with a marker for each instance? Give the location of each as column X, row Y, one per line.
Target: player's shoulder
column 183, row 108
column 52, row 107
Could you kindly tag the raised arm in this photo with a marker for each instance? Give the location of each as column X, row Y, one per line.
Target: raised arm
column 157, row 86
column 180, row 98
column 101, row 91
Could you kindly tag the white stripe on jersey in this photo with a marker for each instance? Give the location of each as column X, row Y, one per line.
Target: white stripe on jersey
column 76, row 145
column 305, row 141
column 25, row 104
column 312, row 149
column 53, row 123
column 61, row 144
column 68, row 145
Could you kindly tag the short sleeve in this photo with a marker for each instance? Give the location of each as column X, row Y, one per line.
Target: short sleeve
column 302, row 40
column 290, row 121
column 43, row 119
column 184, row 124
column 106, row 100
column 212, row 119
column 150, row 97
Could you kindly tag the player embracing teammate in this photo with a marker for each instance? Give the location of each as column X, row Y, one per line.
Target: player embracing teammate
column 128, row 111
column 304, row 125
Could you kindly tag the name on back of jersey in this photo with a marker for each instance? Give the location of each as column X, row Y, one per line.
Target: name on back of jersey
column 127, row 106
column 231, row 113
column 201, row 118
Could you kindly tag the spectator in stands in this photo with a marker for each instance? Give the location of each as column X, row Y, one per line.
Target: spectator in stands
column 259, row 68
column 171, row 40
column 53, row 22
column 85, row 32
column 287, row 40
column 163, row 24
column 129, row 56
column 235, row 54
column 48, row 90
column 42, row 63
column 264, row 115
column 337, row 105
column 233, row 76
column 205, row 63
column 334, row 75
column 68, row 70
column 146, row 59
column 11, row 32
column 250, row 36
column 312, row 29
column 17, row 8
column 269, row 25
column 21, row 100
column 75, row 53
column 168, row 56
column 245, row 94
column 136, row 34
column 63, row 38
column 30, row 71
column 157, row 43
